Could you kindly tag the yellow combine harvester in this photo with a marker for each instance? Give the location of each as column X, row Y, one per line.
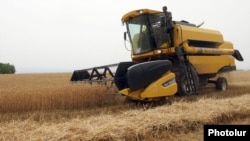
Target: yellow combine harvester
column 162, row 67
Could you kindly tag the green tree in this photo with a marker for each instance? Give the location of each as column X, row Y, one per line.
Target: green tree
column 6, row 68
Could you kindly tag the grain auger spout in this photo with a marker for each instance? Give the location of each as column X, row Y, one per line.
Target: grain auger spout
column 96, row 74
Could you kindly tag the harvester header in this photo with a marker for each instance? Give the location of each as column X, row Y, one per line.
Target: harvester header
column 95, row 74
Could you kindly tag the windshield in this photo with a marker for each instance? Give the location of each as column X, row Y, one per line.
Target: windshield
column 145, row 33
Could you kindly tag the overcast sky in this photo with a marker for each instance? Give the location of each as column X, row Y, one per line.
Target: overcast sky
column 39, row 36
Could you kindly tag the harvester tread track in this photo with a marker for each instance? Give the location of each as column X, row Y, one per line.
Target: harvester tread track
column 186, row 71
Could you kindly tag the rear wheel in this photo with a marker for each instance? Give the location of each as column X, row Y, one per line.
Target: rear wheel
column 221, row 84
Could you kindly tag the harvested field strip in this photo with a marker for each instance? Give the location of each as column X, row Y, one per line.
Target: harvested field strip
column 134, row 124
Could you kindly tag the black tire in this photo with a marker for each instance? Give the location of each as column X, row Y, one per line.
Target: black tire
column 221, row 84
column 181, row 80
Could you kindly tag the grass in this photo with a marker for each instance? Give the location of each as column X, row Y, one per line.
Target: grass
column 49, row 107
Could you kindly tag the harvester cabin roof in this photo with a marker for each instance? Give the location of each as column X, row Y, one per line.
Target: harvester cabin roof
column 138, row 12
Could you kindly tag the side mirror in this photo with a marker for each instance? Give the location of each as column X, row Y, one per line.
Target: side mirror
column 125, row 36
column 125, row 39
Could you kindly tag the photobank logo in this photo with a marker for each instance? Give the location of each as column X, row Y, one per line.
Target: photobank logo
column 236, row 132
column 215, row 132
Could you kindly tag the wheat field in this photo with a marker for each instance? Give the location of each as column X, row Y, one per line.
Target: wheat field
column 43, row 92
column 49, row 107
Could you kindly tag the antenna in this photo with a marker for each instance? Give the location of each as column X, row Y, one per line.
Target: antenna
column 200, row 24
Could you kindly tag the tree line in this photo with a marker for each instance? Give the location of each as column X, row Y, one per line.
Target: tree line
column 6, row 68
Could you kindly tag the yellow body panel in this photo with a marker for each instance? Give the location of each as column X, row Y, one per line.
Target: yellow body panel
column 155, row 89
column 226, row 45
column 210, row 64
column 185, row 33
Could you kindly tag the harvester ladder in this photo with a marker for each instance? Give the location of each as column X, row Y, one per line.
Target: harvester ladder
column 186, row 70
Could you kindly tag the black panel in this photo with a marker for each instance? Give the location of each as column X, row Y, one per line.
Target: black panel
column 207, row 44
column 120, row 75
column 141, row 75
column 237, row 55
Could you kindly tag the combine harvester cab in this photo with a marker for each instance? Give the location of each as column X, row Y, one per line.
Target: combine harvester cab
column 162, row 64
